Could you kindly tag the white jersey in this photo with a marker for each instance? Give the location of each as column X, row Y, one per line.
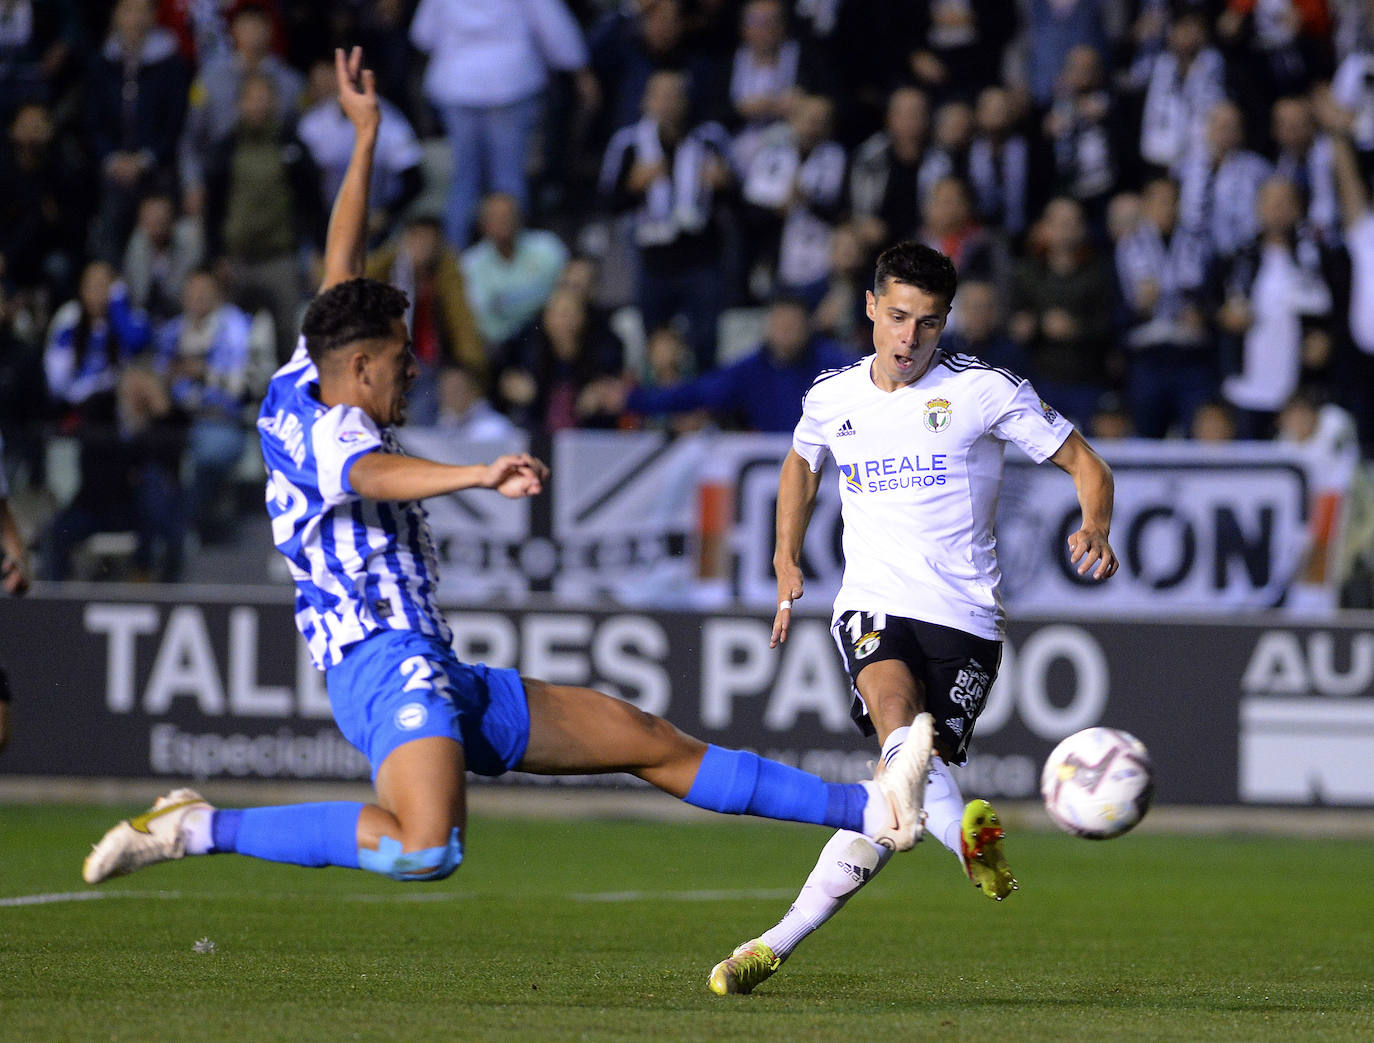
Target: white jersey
column 919, row 473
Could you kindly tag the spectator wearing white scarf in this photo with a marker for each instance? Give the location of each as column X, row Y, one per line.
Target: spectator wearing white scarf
column 665, row 175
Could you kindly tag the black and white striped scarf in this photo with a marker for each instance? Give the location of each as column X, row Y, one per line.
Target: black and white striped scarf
column 1178, row 266
column 679, row 201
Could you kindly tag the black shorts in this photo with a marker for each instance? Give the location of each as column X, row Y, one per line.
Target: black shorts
column 956, row 668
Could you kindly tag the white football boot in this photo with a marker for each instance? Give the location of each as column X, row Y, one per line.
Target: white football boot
column 903, row 782
column 144, row 840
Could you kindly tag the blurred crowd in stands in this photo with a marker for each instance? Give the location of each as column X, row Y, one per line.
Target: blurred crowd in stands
column 665, row 213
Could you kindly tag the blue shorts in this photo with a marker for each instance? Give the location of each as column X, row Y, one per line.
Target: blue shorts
column 398, row 685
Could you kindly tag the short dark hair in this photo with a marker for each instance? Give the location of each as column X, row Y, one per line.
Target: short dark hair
column 917, row 265
column 359, row 309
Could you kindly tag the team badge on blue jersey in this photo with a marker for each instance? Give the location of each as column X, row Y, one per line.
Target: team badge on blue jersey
column 411, row 716
column 937, row 415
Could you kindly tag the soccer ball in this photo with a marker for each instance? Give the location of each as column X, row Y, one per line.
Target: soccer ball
column 1097, row 783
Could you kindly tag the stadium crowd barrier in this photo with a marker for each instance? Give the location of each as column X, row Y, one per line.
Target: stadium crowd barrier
column 645, row 520
column 212, row 683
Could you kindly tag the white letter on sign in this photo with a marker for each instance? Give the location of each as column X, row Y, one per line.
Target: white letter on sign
column 185, row 665
column 548, row 653
column 809, row 682
column 735, row 661
column 122, row 623
column 247, row 698
column 630, row 650
column 1091, row 676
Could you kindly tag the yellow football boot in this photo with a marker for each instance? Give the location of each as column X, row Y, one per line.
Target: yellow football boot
column 981, row 837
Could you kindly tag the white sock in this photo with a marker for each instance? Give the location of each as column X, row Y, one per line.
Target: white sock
column 944, row 806
column 195, row 827
column 893, row 744
column 877, row 812
column 848, row 861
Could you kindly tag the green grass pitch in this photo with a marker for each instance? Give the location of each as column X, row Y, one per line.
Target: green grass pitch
column 606, row 930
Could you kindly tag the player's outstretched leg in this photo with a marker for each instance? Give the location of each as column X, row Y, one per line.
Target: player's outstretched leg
column 847, row 863
column 580, row 731
column 316, row 835
column 411, row 834
column 183, row 823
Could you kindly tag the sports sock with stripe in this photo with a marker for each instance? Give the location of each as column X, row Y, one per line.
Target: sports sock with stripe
column 848, row 861
column 894, row 743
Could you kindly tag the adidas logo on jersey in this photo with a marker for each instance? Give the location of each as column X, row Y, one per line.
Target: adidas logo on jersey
column 845, row 429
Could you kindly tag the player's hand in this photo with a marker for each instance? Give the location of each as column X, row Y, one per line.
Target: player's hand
column 516, row 475
column 1089, row 548
column 789, row 590
column 357, row 90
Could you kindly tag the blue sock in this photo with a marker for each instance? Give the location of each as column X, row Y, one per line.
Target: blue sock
column 740, row 783
column 300, row 834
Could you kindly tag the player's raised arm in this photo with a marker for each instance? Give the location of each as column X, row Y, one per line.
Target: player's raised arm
column 1092, row 478
column 797, row 488
column 345, row 247
column 391, row 477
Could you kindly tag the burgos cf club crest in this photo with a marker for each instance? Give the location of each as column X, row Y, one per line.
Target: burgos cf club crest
column 937, row 416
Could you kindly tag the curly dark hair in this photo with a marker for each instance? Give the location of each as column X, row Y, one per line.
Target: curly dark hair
column 359, row 309
column 917, row 265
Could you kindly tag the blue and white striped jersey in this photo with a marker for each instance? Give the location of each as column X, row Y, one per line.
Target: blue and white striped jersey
column 359, row 565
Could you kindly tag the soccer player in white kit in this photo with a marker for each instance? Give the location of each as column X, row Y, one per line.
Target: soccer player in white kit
column 918, row 436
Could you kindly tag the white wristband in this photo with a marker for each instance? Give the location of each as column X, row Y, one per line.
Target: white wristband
column 784, row 603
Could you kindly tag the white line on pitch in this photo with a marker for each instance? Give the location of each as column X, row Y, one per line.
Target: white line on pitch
column 681, row 896
column 83, row 896
column 56, row 897
column 88, row 896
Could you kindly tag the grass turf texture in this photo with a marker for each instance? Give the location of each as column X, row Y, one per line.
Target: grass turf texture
column 536, row 938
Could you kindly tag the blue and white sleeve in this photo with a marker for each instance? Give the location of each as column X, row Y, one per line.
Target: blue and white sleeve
column 338, row 439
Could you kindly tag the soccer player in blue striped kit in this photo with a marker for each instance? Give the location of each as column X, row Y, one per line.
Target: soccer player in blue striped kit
column 345, row 509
